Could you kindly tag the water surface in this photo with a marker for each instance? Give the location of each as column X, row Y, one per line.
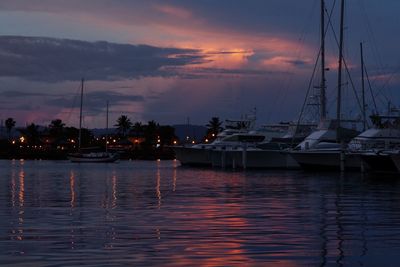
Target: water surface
column 135, row 213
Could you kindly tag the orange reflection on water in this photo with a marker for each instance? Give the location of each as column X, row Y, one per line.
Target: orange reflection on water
column 21, row 193
column 21, row 200
column 114, row 191
column 72, row 188
column 13, row 188
column 158, row 190
column 226, row 229
column 174, row 180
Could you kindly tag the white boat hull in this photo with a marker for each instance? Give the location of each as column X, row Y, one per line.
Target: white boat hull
column 193, row 156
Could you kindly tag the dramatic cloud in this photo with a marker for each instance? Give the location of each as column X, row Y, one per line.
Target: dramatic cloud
column 200, row 58
column 95, row 101
column 52, row 59
column 19, row 94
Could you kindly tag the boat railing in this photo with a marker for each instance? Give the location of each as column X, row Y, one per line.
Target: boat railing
column 363, row 145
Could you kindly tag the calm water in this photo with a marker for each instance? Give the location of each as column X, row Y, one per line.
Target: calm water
column 156, row 213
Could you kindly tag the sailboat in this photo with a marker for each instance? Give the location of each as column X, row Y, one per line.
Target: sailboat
column 325, row 148
column 91, row 157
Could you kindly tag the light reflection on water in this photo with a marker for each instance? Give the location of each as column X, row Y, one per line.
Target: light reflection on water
column 156, row 213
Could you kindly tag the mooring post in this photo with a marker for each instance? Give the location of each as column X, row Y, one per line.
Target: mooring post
column 223, row 158
column 244, row 155
column 342, row 156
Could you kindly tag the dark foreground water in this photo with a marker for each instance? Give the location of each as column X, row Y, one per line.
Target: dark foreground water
column 155, row 213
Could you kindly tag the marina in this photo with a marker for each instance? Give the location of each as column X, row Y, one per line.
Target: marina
column 199, row 133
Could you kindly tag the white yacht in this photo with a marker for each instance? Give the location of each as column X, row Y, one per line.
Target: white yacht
column 379, row 146
column 271, row 153
column 320, row 150
column 235, row 133
column 242, row 147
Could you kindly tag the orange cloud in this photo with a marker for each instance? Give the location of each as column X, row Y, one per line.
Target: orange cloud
column 174, row 11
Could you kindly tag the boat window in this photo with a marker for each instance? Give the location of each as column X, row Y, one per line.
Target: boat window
column 245, row 138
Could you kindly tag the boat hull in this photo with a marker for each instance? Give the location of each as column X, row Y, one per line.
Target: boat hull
column 326, row 160
column 193, row 156
column 253, row 159
column 93, row 158
column 396, row 161
column 382, row 163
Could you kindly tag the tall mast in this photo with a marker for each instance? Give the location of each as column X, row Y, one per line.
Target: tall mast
column 339, row 95
column 80, row 118
column 363, row 88
column 323, row 81
column 107, row 128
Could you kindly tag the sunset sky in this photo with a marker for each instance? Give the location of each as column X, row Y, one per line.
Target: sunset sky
column 170, row 60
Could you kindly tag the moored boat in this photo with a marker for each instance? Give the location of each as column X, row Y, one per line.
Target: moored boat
column 91, row 156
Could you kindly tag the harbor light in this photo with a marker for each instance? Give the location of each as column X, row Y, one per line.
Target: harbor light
column 193, row 142
column 175, row 142
column 13, row 142
column 206, row 140
column 22, row 139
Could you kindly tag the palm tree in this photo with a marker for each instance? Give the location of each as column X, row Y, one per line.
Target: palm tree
column 214, row 127
column 56, row 128
column 123, row 124
column 137, row 129
column 10, row 123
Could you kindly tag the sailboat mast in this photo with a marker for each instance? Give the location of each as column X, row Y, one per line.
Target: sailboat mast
column 107, row 128
column 323, row 81
column 363, row 88
column 80, row 118
column 339, row 95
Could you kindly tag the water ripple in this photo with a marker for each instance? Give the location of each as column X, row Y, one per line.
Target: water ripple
column 156, row 213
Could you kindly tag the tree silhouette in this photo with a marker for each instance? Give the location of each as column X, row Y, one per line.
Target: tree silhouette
column 167, row 134
column 151, row 132
column 56, row 128
column 32, row 134
column 137, row 129
column 214, row 126
column 123, row 124
column 10, row 123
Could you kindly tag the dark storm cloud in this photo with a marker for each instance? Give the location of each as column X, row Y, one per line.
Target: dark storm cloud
column 95, row 100
column 49, row 59
column 297, row 62
column 18, row 94
column 25, row 107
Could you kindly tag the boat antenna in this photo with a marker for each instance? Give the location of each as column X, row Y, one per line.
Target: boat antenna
column 80, row 117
